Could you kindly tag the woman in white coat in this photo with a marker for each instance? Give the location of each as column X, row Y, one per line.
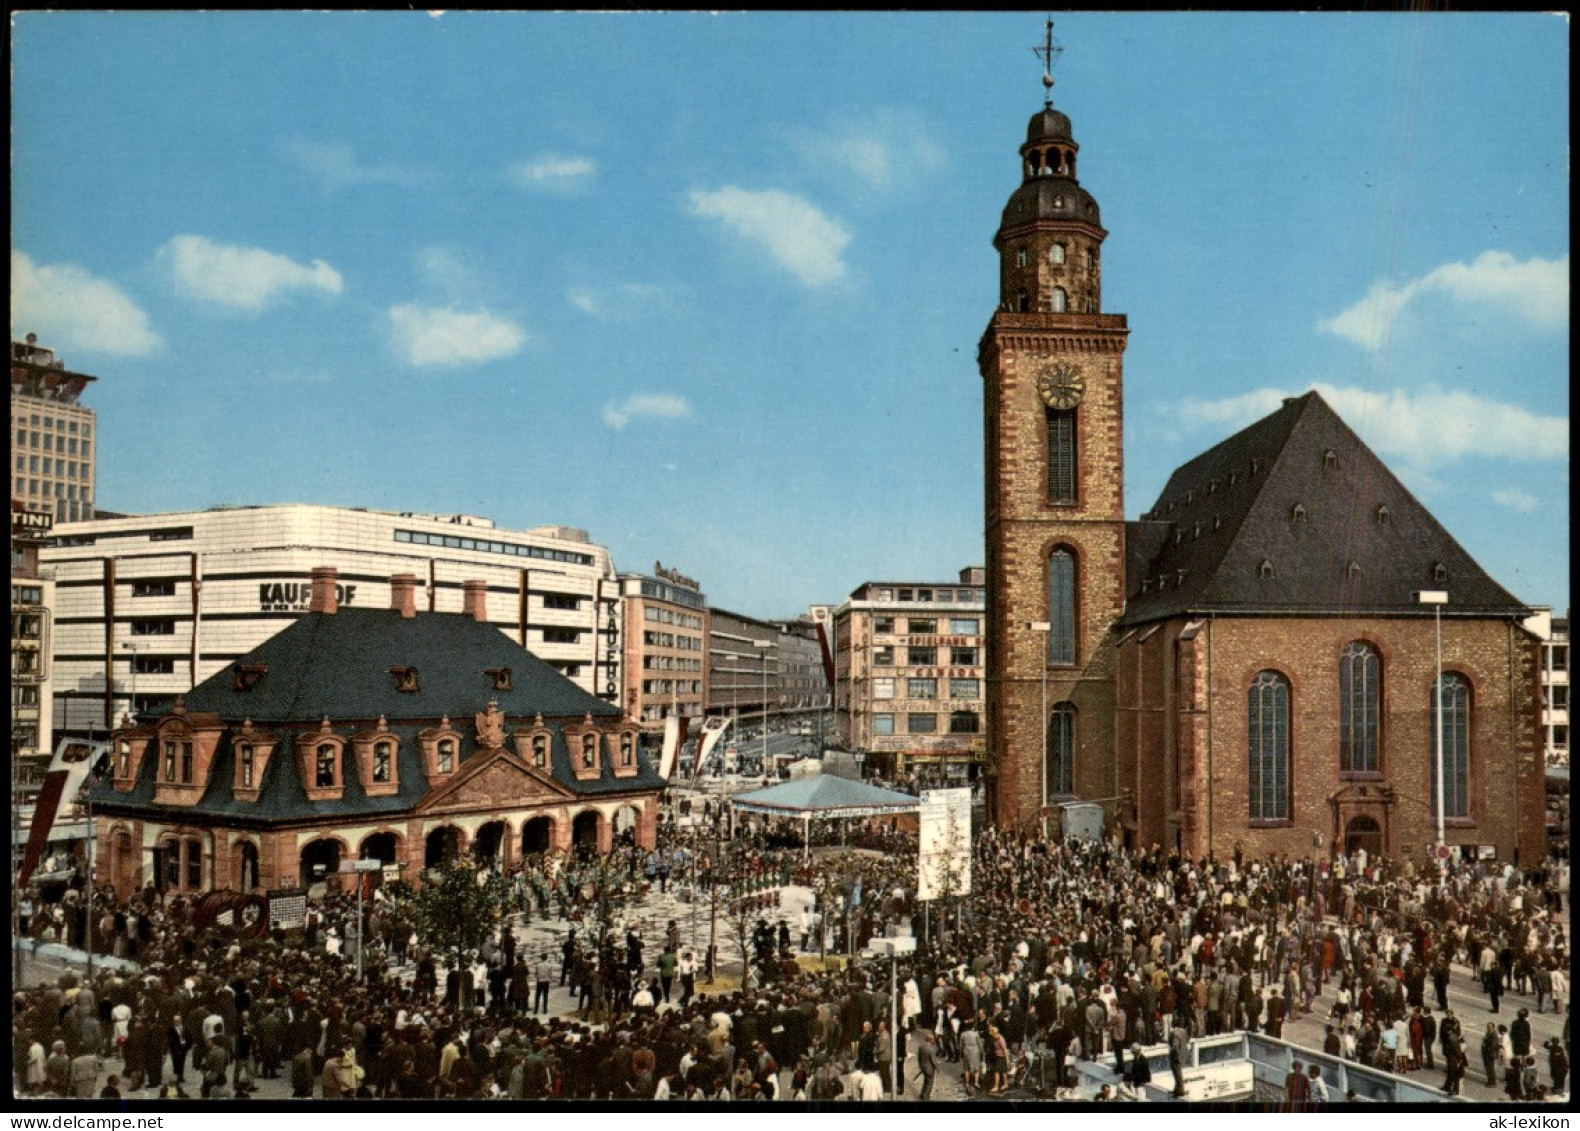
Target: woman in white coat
column 910, row 1002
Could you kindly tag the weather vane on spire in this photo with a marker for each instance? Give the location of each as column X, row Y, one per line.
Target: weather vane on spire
column 1048, row 52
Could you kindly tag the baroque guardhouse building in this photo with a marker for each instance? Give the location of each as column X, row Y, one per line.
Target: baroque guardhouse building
column 390, row 734
column 1252, row 664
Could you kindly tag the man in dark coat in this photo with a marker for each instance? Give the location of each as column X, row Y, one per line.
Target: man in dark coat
column 178, row 1039
column 1520, row 1033
column 1494, row 986
column 926, row 1065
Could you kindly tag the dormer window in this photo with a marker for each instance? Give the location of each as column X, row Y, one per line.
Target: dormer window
column 1330, row 459
column 589, row 751
column 540, row 751
column 252, row 748
column 246, row 676
column 1353, row 569
column 178, row 762
column 1266, row 569
column 1382, row 512
column 324, row 766
column 1297, row 513
column 501, row 678
column 123, row 759
column 444, row 756
column 405, row 678
column 383, row 762
column 319, row 759
column 1439, row 573
column 628, row 750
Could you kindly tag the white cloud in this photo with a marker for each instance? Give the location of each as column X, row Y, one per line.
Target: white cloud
column 444, row 270
column 1515, row 499
column 68, row 308
column 444, row 337
column 875, row 148
column 621, row 301
column 1425, row 428
column 1535, row 291
column 336, row 165
column 641, row 406
column 794, row 232
column 243, row 278
column 553, row 172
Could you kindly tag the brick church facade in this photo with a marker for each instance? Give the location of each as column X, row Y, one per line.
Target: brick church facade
column 394, row 735
column 1250, row 664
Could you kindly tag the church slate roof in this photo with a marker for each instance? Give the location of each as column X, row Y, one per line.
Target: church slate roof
column 337, row 666
column 1296, row 515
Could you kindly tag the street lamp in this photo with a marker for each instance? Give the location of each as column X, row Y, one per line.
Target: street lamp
column 1437, row 598
column 893, row 947
column 762, row 647
column 1044, row 627
column 735, row 699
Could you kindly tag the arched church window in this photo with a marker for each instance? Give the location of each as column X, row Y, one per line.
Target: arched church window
column 1061, row 607
column 1061, row 454
column 1455, row 699
column 1061, row 750
column 1360, row 697
column 1267, row 738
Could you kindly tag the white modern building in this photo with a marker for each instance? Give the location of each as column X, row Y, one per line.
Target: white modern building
column 1554, row 633
column 149, row 606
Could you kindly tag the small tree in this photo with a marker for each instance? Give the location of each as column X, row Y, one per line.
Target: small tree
column 455, row 911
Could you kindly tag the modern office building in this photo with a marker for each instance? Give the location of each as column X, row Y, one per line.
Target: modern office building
column 908, row 676
column 764, row 670
column 53, row 434
column 32, row 607
column 666, row 638
column 1554, row 634
column 152, row 605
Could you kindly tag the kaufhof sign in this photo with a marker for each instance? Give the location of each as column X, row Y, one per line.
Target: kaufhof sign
column 294, row 596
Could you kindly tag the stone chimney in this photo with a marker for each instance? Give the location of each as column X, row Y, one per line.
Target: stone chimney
column 403, row 594
column 474, row 600
column 323, row 598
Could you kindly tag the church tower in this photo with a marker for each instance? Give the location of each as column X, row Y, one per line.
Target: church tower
column 1050, row 361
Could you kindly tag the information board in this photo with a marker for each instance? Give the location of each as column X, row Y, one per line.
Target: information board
column 287, row 908
column 945, row 844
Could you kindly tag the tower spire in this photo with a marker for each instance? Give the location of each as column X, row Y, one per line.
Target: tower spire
column 1048, row 53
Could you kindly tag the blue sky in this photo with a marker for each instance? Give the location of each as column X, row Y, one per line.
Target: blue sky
column 711, row 286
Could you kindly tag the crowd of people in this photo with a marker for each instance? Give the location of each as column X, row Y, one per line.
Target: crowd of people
column 1062, row 949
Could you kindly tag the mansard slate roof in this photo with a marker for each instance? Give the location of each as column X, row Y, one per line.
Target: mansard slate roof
column 337, row 666
column 1226, row 537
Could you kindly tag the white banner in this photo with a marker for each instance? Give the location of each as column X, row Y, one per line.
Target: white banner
column 945, row 842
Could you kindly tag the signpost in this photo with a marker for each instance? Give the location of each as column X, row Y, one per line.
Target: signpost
column 358, row 867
